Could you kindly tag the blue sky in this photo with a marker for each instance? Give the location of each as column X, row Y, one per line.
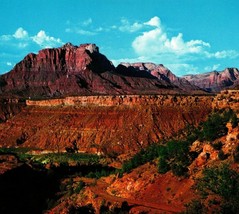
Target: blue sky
column 187, row 36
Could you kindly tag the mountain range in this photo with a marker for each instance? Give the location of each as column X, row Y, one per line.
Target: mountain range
column 82, row 70
column 215, row 81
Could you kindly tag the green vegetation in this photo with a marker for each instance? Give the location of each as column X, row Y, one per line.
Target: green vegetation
column 215, row 126
column 195, row 207
column 217, row 145
column 175, row 154
column 100, row 173
column 79, row 187
column 144, row 156
column 62, row 158
column 220, row 182
column 236, row 154
column 13, row 150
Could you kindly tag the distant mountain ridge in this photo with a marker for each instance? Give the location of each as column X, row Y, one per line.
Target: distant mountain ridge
column 163, row 73
column 215, row 81
column 82, row 70
column 77, row 70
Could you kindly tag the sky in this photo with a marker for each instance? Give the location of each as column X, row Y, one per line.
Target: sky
column 186, row 36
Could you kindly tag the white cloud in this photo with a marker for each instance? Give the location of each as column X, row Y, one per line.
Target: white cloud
column 155, row 44
column 44, row 40
column 21, row 39
column 85, row 32
column 82, row 28
column 183, row 68
column 87, row 22
column 129, row 60
column 154, row 22
column 5, row 37
column 20, row 33
column 224, row 54
column 212, row 68
column 127, row 27
column 156, row 41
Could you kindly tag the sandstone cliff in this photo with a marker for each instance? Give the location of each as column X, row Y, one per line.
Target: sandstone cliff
column 109, row 125
column 215, row 81
column 10, row 107
column 77, row 70
column 163, row 73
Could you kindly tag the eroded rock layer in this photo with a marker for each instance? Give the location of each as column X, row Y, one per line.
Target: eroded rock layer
column 103, row 124
column 77, row 70
column 215, row 81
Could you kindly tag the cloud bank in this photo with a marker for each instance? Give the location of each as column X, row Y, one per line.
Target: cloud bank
column 22, row 39
column 153, row 43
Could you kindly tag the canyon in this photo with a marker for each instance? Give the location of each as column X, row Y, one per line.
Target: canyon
column 71, row 101
column 103, row 124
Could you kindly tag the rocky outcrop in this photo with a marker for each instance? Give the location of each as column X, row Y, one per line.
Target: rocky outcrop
column 77, row 70
column 163, row 73
column 215, row 81
column 116, row 100
column 227, row 99
column 10, row 107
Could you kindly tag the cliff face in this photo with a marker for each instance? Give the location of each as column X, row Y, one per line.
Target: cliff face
column 215, row 81
column 76, row 70
column 10, row 107
column 109, row 125
column 163, row 73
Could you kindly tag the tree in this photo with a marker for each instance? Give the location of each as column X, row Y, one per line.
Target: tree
column 224, row 182
column 163, row 166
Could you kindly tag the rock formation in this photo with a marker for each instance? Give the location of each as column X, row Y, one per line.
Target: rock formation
column 77, row 70
column 215, row 81
column 103, row 124
column 163, row 73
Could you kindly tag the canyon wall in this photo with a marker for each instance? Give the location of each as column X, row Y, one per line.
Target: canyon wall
column 227, row 99
column 106, row 124
column 129, row 100
column 10, row 107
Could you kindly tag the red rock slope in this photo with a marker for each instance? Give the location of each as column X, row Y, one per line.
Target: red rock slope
column 77, row 70
column 111, row 124
column 215, row 81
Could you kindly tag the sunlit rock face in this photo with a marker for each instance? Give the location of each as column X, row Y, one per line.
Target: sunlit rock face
column 78, row 70
column 216, row 81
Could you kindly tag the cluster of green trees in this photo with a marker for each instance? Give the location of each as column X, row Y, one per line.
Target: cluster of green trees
column 65, row 158
column 215, row 126
column 219, row 186
column 145, row 155
column 175, row 154
column 100, row 173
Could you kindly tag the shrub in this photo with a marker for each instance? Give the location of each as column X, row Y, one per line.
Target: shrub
column 234, row 120
column 224, row 182
column 163, row 166
column 195, row 207
column 221, row 155
column 179, row 169
column 214, row 127
column 80, row 186
column 236, row 154
column 217, row 146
